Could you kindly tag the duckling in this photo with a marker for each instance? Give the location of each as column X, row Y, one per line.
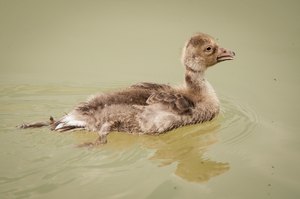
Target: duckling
column 149, row 108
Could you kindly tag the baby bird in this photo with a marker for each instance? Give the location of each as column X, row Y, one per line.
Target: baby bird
column 150, row 108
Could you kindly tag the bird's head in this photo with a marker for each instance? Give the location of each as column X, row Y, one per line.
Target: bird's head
column 201, row 51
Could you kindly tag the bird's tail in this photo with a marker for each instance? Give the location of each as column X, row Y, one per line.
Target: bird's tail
column 68, row 123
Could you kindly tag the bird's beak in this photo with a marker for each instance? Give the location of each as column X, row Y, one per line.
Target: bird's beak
column 224, row 54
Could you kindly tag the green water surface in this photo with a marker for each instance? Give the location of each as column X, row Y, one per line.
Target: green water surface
column 54, row 54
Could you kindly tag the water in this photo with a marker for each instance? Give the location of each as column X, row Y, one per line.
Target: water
column 55, row 54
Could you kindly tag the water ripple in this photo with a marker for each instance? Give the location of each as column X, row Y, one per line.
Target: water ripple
column 239, row 121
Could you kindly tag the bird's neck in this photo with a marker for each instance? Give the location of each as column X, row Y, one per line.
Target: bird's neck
column 195, row 80
column 200, row 89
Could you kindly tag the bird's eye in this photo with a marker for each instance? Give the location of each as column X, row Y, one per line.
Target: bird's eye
column 208, row 48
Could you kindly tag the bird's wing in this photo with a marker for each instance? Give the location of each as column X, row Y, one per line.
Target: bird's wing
column 151, row 86
column 173, row 101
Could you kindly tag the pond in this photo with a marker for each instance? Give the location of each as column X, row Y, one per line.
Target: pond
column 54, row 54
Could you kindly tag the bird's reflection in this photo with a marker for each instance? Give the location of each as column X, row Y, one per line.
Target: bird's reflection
column 184, row 147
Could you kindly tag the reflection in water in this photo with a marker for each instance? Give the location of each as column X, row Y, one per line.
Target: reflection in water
column 184, row 147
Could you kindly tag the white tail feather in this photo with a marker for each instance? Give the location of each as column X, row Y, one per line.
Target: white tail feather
column 69, row 121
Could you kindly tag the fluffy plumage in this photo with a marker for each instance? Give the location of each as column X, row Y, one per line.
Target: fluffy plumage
column 151, row 108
